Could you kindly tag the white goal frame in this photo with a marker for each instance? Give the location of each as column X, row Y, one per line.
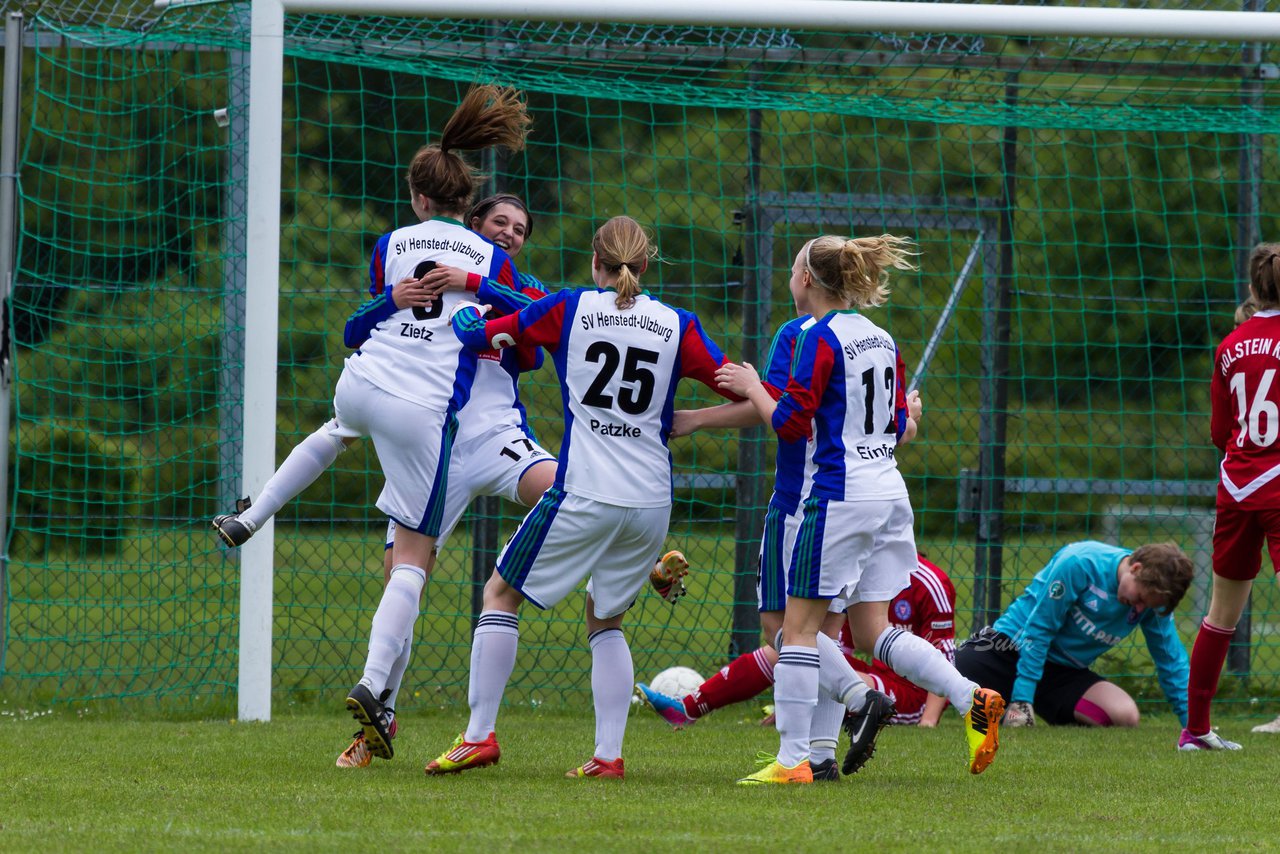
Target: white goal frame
column 266, row 86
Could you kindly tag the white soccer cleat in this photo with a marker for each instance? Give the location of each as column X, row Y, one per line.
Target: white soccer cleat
column 1271, row 726
column 1209, row 741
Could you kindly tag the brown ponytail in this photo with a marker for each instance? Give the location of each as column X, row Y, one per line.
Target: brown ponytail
column 487, row 116
column 1264, row 274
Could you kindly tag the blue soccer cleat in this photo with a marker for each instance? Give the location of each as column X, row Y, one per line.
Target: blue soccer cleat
column 671, row 709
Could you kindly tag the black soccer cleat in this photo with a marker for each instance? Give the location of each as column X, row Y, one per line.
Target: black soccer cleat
column 232, row 530
column 863, row 727
column 371, row 715
column 825, row 771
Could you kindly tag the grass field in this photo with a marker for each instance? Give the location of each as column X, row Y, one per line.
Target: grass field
column 73, row 784
column 157, row 623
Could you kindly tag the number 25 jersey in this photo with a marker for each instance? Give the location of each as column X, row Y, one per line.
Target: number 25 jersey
column 618, row 374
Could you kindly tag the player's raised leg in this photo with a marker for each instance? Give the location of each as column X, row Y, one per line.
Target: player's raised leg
column 918, row 661
column 309, row 459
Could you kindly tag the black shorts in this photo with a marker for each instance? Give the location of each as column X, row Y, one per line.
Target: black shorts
column 991, row 659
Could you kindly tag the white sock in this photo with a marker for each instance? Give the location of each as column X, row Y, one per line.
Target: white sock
column 837, row 679
column 915, row 659
column 392, row 623
column 795, row 696
column 396, row 677
column 824, row 732
column 493, row 657
column 612, row 681
column 309, row 459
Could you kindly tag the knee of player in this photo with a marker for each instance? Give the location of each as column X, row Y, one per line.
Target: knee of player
column 1126, row 717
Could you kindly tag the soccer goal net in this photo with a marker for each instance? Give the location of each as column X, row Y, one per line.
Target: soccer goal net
column 1082, row 205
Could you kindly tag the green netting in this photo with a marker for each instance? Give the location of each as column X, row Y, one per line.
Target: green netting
column 1096, row 190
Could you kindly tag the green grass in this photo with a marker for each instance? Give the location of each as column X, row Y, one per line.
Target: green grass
column 146, row 785
column 157, row 623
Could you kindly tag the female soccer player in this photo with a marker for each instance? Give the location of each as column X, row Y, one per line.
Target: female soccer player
column 843, row 697
column 1245, row 426
column 1089, row 598
column 503, row 219
column 405, row 385
column 619, row 354
column 855, row 539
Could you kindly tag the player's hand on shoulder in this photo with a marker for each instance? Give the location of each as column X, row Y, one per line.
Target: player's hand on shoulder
column 1018, row 714
column 739, row 379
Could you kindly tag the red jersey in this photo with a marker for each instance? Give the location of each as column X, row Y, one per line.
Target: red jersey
column 1245, row 405
column 925, row 608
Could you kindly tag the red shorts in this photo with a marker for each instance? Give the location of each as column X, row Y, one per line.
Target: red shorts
column 1238, row 536
column 908, row 697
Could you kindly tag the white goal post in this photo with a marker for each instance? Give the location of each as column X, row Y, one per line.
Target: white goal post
column 266, row 83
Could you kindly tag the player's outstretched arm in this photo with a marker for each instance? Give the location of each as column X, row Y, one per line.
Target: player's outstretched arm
column 729, row 416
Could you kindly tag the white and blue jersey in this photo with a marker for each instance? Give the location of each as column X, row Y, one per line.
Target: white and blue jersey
column 846, row 386
column 778, row 536
column 792, row 456
column 411, row 353
column 618, row 372
column 1071, row 613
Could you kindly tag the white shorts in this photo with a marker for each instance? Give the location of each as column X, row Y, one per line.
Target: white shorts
column 410, row 440
column 856, row 551
column 491, row 463
column 566, row 538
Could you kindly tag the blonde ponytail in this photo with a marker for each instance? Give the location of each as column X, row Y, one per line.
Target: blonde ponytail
column 622, row 247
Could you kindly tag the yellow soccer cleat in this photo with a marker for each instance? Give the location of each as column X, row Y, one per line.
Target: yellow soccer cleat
column 464, row 755
column 982, row 728
column 773, row 772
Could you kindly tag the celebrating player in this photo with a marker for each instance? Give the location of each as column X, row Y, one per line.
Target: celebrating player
column 1088, row 598
column 843, row 696
column 1244, row 425
column 405, row 385
column 619, row 353
column 926, row 608
column 855, row 541
column 495, row 451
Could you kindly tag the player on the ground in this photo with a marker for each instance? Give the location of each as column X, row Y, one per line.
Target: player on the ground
column 1245, row 426
column 926, row 607
column 619, row 354
column 1089, row 598
column 855, row 541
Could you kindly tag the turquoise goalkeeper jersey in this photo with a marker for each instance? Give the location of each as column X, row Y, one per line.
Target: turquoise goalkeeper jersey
column 1070, row 614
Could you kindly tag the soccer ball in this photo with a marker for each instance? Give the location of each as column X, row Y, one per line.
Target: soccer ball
column 676, row 681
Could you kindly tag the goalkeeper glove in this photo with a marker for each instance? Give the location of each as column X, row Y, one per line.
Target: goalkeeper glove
column 667, row 574
column 1019, row 713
